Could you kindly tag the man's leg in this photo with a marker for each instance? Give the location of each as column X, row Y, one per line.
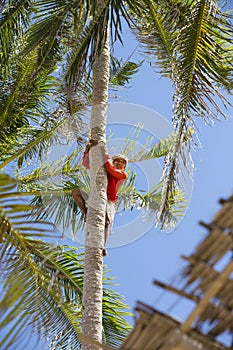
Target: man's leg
column 107, row 222
column 79, row 200
column 109, row 218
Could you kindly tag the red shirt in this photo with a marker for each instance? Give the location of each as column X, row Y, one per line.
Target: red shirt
column 116, row 177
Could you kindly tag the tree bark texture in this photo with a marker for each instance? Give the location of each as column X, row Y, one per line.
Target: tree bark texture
column 94, row 241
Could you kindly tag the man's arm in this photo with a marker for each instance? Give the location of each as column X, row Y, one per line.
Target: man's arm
column 119, row 174
column 86, row 161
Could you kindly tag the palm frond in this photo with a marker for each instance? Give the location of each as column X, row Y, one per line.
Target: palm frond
column 115, row 327
column 117, row 10
column 122, row 72
column 14, row 18
column 34, row 141
column 52, row 184
column 150, row 202
column 89, row 42
column 153, row 26
column 23, row 96
column 51, row 25
column 201, row 53
column 42, row 178
column 138, row 148
column 161, row 148
column 204, row 60
column 12, row 207
column 177, row 206
column 37, row 296
column 30, row 142
column 60, row 208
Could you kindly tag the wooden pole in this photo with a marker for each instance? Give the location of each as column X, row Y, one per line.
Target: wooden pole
column 211, row 292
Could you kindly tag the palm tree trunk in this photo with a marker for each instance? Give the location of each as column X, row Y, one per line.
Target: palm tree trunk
column 94, row 242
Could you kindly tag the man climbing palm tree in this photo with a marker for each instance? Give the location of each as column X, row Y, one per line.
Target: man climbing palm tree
column 116, row 177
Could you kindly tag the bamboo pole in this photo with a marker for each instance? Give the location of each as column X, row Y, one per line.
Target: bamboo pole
column 214, row 288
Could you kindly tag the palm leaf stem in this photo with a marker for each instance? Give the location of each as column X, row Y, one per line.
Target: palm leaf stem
column 159, row 28
column 36, row 176
column 191, row 68
column 36, row 193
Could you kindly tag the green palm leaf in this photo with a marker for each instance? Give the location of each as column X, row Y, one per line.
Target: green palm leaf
column 153, row 26
column 199, row 68
column 14, row 18
column 37, row 296
column 89, row 40
column 51, row 32
column 122, row 72
column 21, row 97
column 13, row 210
column 130, row 198
column 192, row 40
column 52, row 185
